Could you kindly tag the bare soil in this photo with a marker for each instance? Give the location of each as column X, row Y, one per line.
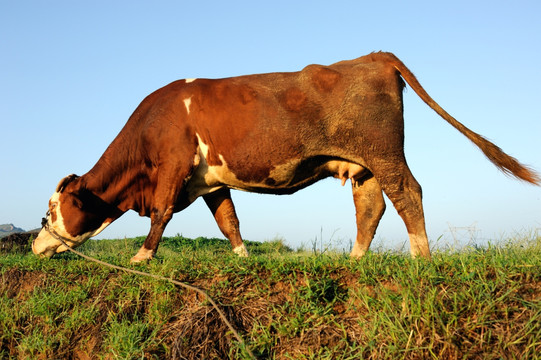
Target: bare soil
column 17, row 243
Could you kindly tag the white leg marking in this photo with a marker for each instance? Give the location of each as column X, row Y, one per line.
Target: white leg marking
column 142, row 255
column 357, row 251
column 190, row 80
column 418, row 243
column 187, row 103
column 241, row 251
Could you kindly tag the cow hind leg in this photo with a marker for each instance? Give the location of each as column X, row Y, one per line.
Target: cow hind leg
column 369, row 208
column 221, row 206
column 405, row 193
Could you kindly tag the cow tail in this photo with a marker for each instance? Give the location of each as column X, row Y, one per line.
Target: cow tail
column 507, row 164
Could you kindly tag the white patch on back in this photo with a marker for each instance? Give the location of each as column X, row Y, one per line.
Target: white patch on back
column 190, row 80
column 187, row 103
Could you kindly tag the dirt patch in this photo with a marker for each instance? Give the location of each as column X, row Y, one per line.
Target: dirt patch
column 17, row 283
column 300, row 315
column 18, row 242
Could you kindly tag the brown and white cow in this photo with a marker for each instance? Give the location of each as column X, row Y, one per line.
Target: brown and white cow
column 269, row 133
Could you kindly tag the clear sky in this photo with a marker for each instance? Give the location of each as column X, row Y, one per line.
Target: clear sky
column 72, row 72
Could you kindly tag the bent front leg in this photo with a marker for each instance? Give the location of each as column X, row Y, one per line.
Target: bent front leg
column 221, row 206
column 158, row 222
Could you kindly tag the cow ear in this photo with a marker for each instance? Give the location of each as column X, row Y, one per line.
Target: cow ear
column 65, row 181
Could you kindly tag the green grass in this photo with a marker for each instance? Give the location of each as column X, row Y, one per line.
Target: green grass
column 476, row 303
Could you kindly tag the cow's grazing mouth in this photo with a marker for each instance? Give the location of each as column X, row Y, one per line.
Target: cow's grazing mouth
column 272, row 133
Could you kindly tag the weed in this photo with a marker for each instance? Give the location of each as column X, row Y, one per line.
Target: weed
column 127, row 339
column 478, row 302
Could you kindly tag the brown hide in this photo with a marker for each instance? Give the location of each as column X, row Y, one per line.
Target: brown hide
column 272, row 133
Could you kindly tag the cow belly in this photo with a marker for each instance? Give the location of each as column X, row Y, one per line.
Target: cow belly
column 207, row 179
column 285, row 178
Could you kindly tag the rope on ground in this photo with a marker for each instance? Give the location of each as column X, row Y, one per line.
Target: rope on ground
column 163, row 278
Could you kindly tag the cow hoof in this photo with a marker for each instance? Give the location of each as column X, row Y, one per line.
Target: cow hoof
column 142, row 255
column 357, row 252
column 241, row 251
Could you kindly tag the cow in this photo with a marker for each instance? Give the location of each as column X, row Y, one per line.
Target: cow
column 270, row 133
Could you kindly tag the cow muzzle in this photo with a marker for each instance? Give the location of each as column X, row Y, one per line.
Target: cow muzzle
column 49, row 242
column 44, row 245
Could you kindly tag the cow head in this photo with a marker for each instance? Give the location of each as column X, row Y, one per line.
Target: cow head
column 75, row 214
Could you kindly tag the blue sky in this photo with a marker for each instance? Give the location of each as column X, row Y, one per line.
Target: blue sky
column 71, row 73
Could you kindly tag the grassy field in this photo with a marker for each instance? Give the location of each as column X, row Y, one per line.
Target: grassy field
column 477, row 303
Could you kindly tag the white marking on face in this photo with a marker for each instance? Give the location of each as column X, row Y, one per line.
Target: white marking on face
column 58, row 225
column 60, row 229
column 190, row 80
column 187, row 103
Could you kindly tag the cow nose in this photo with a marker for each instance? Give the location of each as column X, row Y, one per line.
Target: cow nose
column 42, row 246
column 35, row 248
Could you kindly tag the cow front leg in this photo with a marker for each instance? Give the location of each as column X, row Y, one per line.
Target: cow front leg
column 369, row 208
column 221, row 206
column 158, row 222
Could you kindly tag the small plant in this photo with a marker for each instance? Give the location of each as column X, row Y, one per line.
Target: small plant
column 320, row 247
column 127, row 339
column 476, row 303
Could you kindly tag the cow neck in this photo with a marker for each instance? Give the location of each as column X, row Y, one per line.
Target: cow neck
column 121, row 176
column 116, row 183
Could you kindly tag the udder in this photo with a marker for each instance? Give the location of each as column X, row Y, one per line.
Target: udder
column 345, row 170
